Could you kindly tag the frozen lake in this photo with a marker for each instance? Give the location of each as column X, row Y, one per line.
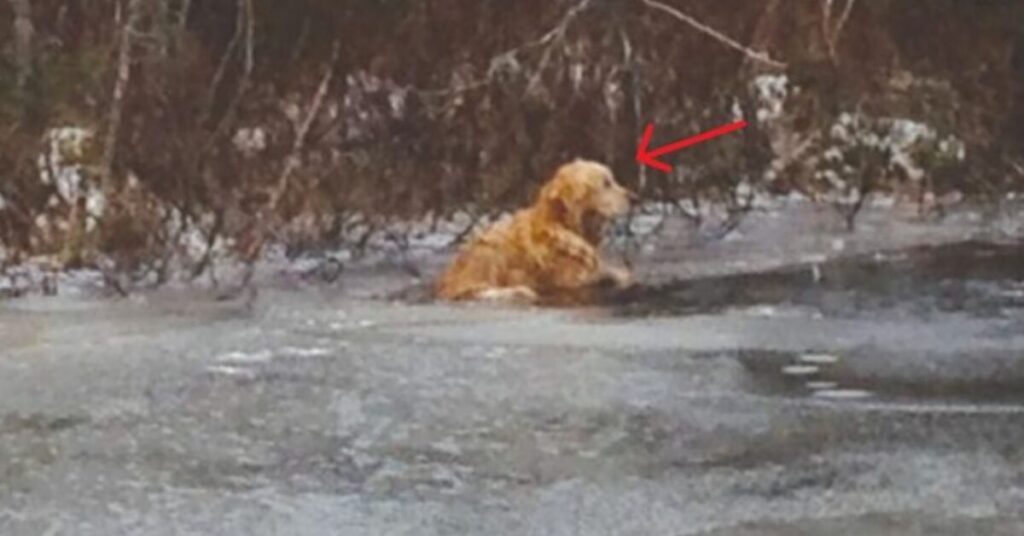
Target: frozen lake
column 790, row 379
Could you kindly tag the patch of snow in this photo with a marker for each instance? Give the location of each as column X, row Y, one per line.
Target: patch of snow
column 733, row 236
column 431, row 240
column 880, row 200
column 833, row 153
column 448, row 446
column 239, row 357
column 771, row 92
column 95, row 204
column 819, row 359
column 305, row 352
column 814, row 258
column 761, row 310
column 250, row 140
column 341, row 326
column 79, row 283
column 644, row 224
column 58, row 164
column 231, row 371
column 842, row 394
column 736, row 110
column 796, row 197
column 800, row 370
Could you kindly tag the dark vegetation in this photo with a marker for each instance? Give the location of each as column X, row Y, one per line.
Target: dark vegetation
column 224, row 125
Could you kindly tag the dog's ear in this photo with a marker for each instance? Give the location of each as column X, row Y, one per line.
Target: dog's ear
column 563, row 198
column 593, row 227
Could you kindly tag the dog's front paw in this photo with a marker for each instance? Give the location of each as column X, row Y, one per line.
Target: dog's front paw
column 620, row 277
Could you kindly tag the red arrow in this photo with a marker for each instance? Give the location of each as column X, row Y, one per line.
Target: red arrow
column 650, row 158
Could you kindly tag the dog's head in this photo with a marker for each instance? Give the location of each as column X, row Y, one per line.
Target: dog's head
column 581, row 188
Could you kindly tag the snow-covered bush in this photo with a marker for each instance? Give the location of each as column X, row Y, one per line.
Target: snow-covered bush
column 860, row 155
column 75, row 202
column 842, row 157
column 771, row 92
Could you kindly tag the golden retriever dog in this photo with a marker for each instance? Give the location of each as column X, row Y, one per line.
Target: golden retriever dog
column 548, row 251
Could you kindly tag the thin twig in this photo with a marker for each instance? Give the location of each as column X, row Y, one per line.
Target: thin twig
column 826, row 20
column 475, row 220
column 211, row 242
column 1018, row 167
column 756, row 55
column 245, row 7
column 292, row 161
column 550, row 37
column 186, row 6
column 222, row 67
column 831, row 33
column 838, row 32
column 554, row 36
column 845, row 16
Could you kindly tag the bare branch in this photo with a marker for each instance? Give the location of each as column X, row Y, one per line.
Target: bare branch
column 554, row 36
column 1018, row 167
column 23, row 32
column 300, row 137
column 831, row 33
column 222, row 68
column 826, row 19
column 842, row 19
column 549, row 39
column 211, row 241
column 262, row 227
column 186, row 5
column 124, row 71
column 476, row 217
column 755, row 55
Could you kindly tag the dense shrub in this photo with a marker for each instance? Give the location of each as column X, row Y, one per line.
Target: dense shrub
column 217, row 125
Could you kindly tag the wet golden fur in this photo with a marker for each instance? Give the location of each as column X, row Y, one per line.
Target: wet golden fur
column 548, row 250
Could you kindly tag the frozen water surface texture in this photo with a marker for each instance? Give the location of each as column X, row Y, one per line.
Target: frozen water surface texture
column 772, row 387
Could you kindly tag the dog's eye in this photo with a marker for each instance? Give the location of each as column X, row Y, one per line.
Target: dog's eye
column 607, row 182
